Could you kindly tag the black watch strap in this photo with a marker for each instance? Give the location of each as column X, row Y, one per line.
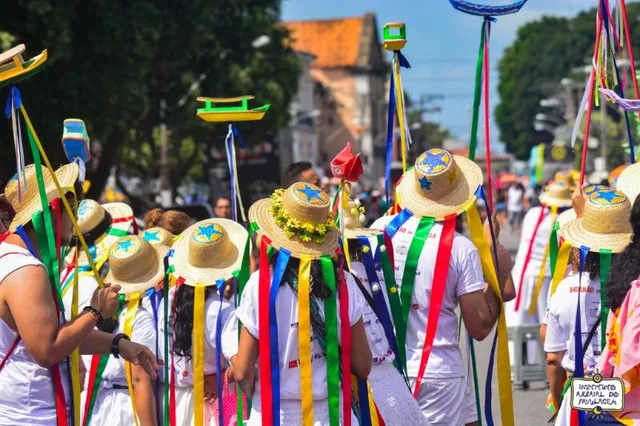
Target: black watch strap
column 114, row 344
column 96, row 313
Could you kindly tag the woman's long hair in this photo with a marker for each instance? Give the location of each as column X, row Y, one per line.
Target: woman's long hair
column 183, row 319
column 625, row 267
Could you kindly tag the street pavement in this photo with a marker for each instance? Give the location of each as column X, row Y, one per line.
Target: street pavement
column 529, row 405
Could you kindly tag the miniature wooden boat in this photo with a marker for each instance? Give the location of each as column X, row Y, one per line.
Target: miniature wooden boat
column 13, row 68
column 485, row 9
column 394, row 41
column 229, row 114
column 75, row 140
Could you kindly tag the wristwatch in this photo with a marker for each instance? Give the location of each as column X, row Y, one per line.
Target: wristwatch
column 96, row 313
column 115, row 351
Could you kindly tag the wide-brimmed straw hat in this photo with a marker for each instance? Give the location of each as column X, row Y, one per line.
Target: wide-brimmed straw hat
column 25, row 197
column 135, row 265
column 556, row 194
column 208, row 251
column 157, row 235
column 570, row 214
column 629, row 182
column 604, row 225
column 298, row 219
column 353, row 220
column 565, row 177
column 101, row 225
column 440, row 184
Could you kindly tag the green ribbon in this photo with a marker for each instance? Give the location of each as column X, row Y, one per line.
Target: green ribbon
column 477, row 94
column 394, row 299
column 605, row 268
column 553, row 247
column 47, row 247
column 333, row 356
column 165, row 302
column 117, row 232
column 409, row 275
column 476, row 386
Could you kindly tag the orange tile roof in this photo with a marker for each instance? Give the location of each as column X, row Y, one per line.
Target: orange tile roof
column 334, row 42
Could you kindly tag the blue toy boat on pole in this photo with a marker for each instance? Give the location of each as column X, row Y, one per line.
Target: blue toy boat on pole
column 487, row 10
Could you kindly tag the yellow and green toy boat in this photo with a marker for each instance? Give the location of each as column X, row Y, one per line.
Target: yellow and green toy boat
column 13, row 68
column 230, row 114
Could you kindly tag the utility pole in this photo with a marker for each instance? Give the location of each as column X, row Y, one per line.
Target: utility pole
column 165, row 191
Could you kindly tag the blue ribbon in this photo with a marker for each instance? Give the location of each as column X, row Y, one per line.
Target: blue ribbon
column 404, row 62
column 378, row 296
column 22, row 233
column 620, row 88
column 14, row 95
column 281, row 265
column 390, row 123
column 236, row 133
column 488, row 415
column 363, row 397
column 494, row 241
column 578, row 370
column 220, row 286
column 232, row 182
column 397, row 222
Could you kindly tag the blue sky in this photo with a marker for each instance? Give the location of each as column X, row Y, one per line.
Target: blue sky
column 442, row 45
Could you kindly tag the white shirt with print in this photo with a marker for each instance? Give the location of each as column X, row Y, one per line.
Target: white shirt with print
column 465, row 276
column 561, row 320
column 287, row 318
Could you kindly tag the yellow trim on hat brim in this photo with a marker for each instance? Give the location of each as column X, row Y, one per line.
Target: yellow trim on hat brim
column 260, row 213
column 192, row 274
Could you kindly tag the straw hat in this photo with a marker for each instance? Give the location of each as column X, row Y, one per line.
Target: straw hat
column 556, row 194
column 570, row 214
column 439, row 185
column 157, row 235
column 95, row 221
column 629, row 182
column 135, row 264
column 565, row 177
column 298, row 219
column 28, row 202
column 353, row 217
column 604, row 225
column 208, row 251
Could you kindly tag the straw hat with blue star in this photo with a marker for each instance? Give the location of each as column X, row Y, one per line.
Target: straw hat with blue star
column 440, row 184
column 298, row 219
column 605, row 223
column 157, row 235
column 208, row 251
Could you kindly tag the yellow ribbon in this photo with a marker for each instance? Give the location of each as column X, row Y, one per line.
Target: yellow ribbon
column 488, row 268
column 132, row 310
column 543, row 269
column 344, row 204
column 372, row 407
column 54, row 178
column 198, row 355
column 304, row 340
column 561, row 266
column 400, row 111
column 75, row 355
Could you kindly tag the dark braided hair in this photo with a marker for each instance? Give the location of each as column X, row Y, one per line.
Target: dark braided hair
column 625, row 267
column 183, row 319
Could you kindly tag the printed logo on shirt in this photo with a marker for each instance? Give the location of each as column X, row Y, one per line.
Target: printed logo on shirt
column 594, row 313
column 583, row 289
column 415, row 306
column 293, row 364
column 185, row 373
column 402, row 250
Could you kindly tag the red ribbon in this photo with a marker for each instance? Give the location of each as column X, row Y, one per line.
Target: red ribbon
column 528, row 256
column 264, row 342
column 345, row 331
column 4, row 236
column 172, row 392
column 487, row 117
column 55, row 206
column 438, row 287
column 93, row 372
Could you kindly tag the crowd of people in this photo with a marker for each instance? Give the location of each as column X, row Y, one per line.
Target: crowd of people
column 307, row 315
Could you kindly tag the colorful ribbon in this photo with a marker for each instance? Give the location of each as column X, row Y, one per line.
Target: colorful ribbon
column 220, row 284
column 333, row 350
column 561, row 267
column 345, row 337
column 132, row 310
column 390, row 132
column 487, row 112
column 266, row 394
column 400, row 61
column 477, row 94
column 198, row 354
column 236, row 198
column 304, row 336
column 165, row 304
column 553, row 246
column 438, row 286
column 281, row 266
column 527, row 258
column 578, row 417
column 543, row 268
column 605, row 269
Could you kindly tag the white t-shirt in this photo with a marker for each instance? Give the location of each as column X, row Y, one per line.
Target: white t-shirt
column 380, row 348
column 184, row 366
column 26, row 389
column 514, row 199
column 465, row 276
column 539, row 245
column 87, row 285
column 561, row 320
column 287, row 318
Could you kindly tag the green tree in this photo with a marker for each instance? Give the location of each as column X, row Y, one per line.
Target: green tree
column 114, row 63
column 531, row 68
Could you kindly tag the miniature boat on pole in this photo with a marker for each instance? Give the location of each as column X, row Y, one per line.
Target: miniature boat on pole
column 487, row 10
column 14, row 68
column 216, row 114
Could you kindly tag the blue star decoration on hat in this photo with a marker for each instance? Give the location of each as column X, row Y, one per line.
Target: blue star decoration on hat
column 434, row 161
column 124, row 246
column 310, row 193
column 151, row 236
column 207, row 233
column 425, row 183
column 83, row 209
column 607, row 197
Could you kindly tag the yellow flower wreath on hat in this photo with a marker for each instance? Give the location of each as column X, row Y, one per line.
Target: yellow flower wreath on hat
column 293, row 227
